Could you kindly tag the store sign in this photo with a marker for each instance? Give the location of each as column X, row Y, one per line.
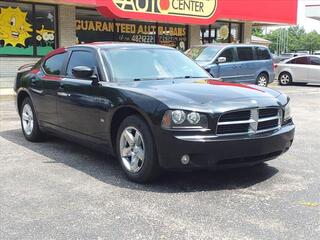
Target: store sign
column 184, row 11
column 201, row 12
column 192, row 8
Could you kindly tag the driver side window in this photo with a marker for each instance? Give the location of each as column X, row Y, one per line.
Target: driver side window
column 81, row 58
column 228, row 54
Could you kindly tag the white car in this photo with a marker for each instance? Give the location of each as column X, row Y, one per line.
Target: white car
column 302, row 69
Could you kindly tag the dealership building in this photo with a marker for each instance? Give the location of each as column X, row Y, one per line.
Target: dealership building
column 31, row 29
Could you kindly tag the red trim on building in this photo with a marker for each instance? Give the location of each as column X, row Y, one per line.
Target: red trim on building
column 266, row 11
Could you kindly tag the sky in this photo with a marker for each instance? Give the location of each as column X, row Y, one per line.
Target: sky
column 308, row 23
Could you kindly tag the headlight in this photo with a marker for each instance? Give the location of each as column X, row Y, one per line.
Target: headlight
column 287, row 112
column 180, row 119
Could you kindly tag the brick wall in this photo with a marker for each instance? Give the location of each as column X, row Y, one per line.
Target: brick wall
column 67, row 37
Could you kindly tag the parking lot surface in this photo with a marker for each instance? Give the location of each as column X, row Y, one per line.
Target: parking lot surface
column 59, row 190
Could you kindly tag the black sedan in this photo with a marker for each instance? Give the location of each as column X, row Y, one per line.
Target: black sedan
column 152, row 107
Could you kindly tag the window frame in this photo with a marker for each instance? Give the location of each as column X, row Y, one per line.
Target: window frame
column 234, row 54
column 254, row 57
column 310, row 60
column 81, row 50
column 63, row 69
column 33, row 6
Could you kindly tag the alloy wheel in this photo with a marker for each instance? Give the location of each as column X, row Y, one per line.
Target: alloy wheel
column 263, row 81
column 285, row 79
column 27, row 119
column 132, row 149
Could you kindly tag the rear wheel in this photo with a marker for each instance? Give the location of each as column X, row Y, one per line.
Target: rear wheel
column 136, row 151
column 285, row 78
column 263, row 80
column 29, row 122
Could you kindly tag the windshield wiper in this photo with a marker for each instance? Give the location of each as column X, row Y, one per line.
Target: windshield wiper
column 155, row 78
column 164, row 78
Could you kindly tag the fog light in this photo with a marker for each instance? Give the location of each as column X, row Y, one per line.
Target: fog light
column 185, row 159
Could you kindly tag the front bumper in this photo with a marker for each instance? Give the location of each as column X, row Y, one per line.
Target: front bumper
column 210, row 151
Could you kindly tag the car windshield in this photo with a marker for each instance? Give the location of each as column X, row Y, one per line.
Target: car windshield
column 151, row 64
column 202, row 53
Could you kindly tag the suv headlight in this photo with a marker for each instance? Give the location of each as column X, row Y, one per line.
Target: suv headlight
column 180, row 119
column 287, row 112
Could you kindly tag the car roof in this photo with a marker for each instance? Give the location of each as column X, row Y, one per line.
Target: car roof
column 223, row 45
column 300, row 56
column 119, row 45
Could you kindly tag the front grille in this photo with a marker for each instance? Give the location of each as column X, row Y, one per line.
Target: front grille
column 250, row 121
column 236, row 116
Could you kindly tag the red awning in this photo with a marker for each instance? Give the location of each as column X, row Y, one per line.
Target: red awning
column 198, row 11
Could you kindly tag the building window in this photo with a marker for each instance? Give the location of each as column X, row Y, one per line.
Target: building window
column 27, row 29
column 221, row 32
column 92, row 27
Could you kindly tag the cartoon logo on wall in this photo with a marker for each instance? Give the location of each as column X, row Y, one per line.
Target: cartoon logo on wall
column 14, row 28
column 16, row 33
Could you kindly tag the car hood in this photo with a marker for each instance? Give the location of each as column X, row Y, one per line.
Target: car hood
column 204, row 93
column 203, row 63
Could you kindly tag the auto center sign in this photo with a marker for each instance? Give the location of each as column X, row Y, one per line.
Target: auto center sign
column 200, row 12
column 182, row 8
column 178, row 11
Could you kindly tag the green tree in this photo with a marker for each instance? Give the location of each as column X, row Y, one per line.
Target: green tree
column 294, row 38
column 257, row 31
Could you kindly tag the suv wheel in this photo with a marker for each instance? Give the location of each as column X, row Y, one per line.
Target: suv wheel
column 29, row 122
column 285, row 78
column 136, row 151
column 263, row 80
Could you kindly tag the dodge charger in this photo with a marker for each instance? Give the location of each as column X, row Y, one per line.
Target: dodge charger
column 152, row 107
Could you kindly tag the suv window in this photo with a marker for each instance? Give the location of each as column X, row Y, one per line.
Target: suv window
column 81, row 58
column 314, row 61
column 300, row 60
column 263, row 53
column 245, row 53
column 54, row 64
column 228, row 54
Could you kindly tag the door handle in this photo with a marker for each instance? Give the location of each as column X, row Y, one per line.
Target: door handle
column 63, row 94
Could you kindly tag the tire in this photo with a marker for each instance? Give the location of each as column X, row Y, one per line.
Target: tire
column 29, row 122
column 262, row 80
column 136, row 151
column 285, row 79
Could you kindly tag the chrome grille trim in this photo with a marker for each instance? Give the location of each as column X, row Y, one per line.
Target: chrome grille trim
column 257, row 124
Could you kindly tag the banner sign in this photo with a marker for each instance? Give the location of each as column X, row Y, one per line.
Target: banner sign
column 197, row 11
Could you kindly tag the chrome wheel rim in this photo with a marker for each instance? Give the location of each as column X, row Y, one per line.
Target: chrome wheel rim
column 263, row 81
column 27, row 119
column 132, row 149
column 285, row 79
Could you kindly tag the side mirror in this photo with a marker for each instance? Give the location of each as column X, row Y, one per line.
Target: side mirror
column 83, row 72
column 221, row 60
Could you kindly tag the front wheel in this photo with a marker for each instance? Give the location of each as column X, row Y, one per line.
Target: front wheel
column 285, row 78
column 136, row 150
column 263, row 80
column 29, row 122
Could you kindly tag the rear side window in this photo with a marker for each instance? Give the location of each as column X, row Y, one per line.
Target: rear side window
column 54, row 64
column 315, row 61
column 245, row 53
column 263, row 53
column 81, row 58
column 299, row 60
column 228, row 54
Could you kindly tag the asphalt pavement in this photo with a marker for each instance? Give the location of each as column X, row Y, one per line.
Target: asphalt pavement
column 59, row 190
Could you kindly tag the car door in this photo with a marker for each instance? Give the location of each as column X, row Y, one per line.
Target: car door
column 245, row 65
column 81, row 100
column 44, row 86
column 314, row 71
column 299, row 68
column 228, row 70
